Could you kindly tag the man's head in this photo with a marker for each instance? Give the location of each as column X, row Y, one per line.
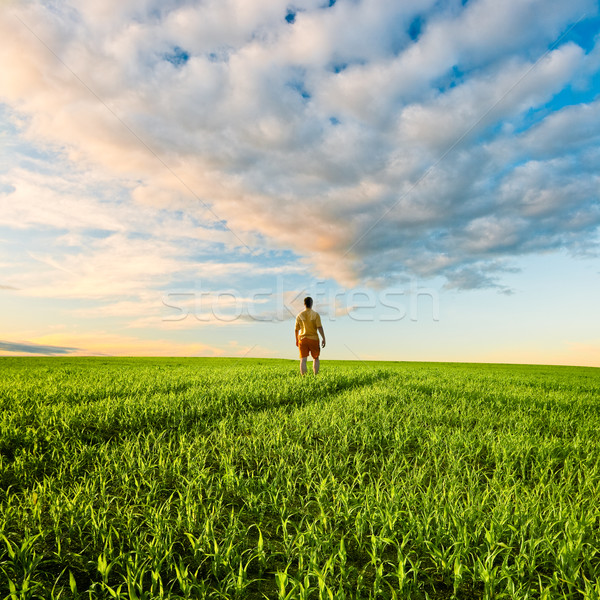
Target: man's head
column 308, row 302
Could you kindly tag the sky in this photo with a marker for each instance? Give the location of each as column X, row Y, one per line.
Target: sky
column 175, row 177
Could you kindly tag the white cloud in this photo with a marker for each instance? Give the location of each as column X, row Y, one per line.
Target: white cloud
column 565, row 131
column 225, row 104
column 96, row 343
column 503, row 94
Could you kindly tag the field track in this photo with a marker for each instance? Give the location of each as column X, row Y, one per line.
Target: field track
column 237, row 478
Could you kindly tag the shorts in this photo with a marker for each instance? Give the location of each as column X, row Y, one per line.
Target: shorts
column 307, row 345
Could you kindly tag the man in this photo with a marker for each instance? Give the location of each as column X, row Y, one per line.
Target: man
column 308, row 323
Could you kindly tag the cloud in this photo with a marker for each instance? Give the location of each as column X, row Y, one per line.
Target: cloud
column 568, row 130
column 19, row 348
column 118, row 266
column 375, row 140
column 78, row 245
column 111, row 344
column 478, row 276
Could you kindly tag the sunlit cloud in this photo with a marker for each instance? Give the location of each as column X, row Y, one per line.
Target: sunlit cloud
column 262, row 118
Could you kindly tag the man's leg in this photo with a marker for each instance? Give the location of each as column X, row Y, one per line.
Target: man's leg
column 316, row 365
column 303, row 365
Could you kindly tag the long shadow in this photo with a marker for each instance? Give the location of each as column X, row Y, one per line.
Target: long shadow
column 303, row 395
column 199, row 412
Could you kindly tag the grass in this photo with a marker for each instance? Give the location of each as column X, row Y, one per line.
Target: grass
column 223, row 478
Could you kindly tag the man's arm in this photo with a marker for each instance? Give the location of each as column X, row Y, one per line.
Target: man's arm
column 297, row 328
column 322, row 335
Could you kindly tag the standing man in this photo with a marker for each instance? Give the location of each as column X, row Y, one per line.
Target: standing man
column 308, row 322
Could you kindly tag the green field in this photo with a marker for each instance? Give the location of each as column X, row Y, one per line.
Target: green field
column 225, row 478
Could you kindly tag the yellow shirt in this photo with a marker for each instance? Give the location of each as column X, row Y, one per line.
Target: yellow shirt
column 307, row 324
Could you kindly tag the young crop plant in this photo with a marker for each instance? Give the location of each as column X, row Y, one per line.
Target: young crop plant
column 239, row 479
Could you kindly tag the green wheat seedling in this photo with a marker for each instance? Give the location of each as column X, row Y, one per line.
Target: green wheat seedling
column 218, row 478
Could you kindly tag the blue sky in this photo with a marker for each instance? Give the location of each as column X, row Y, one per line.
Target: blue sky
column 175, row 176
